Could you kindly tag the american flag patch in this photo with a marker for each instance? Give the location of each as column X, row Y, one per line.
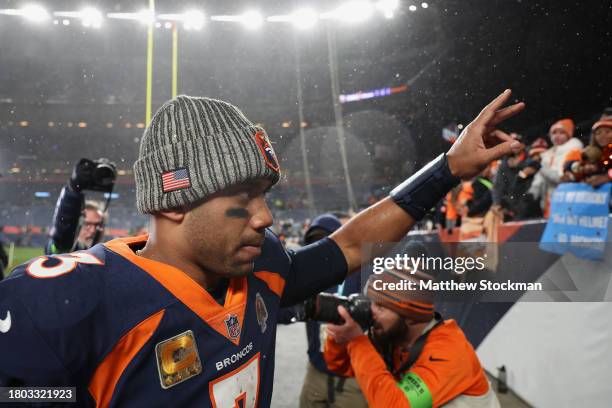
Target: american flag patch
column 175, row 180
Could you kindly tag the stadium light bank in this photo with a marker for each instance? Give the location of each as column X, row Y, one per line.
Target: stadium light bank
column 354, row 11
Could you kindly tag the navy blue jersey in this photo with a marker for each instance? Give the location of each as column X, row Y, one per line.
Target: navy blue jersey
column 130, row 331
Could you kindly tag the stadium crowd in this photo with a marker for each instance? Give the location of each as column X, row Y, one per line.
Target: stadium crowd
column 519, row 187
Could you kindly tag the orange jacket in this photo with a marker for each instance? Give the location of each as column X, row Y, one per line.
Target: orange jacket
column 446, row 368
column 456, row 200
column 573, row 155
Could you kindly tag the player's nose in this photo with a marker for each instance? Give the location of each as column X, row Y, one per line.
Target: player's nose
column 262, row 216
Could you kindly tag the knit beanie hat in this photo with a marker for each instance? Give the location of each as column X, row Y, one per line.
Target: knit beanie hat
column 194, row 147
column 604, row 121
column 566, row 124
column 416, row 304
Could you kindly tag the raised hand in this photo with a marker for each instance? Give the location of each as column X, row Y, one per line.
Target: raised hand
column 481, row 142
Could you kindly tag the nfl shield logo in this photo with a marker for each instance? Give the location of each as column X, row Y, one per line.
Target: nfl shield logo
column 233, row 326
column 266, row 150
column 262, row 312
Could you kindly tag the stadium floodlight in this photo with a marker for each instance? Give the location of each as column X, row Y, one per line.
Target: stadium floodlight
column 145, row 16
column 285, row 18
column 352, row 12
column 192, row 20
column 90, row 17
column 304, row 18
column 412, row 7
column 301, row 19
column 252, row 19
column 387, row 7
column 226, row 18
column 34, row 13
column 424, row 5
column 170, row 17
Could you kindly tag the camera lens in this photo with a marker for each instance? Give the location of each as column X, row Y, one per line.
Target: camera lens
column 324, row 308
column 327, row 308
column 360, row 310
column 104, row 175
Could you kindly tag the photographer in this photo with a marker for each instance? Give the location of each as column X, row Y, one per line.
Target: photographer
column 411, row 358
column 76, row 218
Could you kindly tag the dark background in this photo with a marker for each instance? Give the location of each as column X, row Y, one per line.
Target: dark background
column 455, row 56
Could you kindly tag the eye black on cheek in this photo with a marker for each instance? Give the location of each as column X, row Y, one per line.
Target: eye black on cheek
column 237, row 213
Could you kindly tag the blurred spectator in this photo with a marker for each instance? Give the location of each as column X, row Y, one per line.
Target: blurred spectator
column 532, row 165
column 546, row 180
column 90, row 231
column 524, row 205
column 482, row 196
column 514, row 201
column 472, row 223
column 505, row 181
column 456, row 201
column 593, row 164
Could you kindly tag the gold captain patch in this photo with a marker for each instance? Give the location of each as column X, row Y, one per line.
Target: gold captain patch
column 177, row 359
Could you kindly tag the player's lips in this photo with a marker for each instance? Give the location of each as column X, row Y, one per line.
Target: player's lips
column 251, row 249
column 252, row 246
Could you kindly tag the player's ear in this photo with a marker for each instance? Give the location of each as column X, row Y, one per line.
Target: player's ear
column 173, row 215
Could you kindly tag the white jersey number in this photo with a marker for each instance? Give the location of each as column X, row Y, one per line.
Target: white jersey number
column 237, row 389
column 67, row 263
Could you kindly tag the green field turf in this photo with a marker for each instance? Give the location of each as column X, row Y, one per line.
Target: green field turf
column 23, row 254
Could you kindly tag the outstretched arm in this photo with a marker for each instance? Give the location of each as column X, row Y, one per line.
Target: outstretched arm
column 65, row 221
column 389, row 220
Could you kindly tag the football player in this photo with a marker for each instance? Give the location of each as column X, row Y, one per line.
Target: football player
column 186, row 316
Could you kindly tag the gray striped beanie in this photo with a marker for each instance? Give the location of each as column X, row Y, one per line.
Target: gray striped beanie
column 194, row 147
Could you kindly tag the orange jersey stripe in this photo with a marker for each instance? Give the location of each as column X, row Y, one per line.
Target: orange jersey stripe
column 274, row 281
column 188, row 291
column 104, row 380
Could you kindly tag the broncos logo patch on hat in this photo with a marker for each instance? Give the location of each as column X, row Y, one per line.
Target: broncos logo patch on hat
column 266, row 150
